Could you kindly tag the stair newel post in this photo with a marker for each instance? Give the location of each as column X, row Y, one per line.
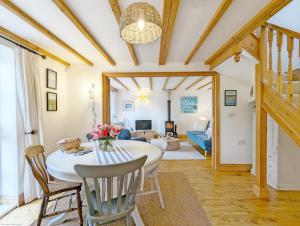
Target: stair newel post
column 270, row 69
column 260, row 187
column 279, row 67
column 290, row 48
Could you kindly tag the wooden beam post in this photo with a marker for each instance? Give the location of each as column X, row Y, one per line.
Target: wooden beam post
column 105, row 99
column 261, row 70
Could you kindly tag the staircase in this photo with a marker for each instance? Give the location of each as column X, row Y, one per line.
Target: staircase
column 280, row 93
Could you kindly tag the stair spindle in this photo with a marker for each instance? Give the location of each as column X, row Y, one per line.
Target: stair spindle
column 290, row 48
column 270, row 69
column 279, row 69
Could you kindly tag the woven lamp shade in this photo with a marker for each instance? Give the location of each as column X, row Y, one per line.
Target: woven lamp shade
column 129, row 27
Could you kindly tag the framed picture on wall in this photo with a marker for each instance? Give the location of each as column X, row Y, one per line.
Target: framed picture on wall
column 51, row 101
column 51, row 79
column 230, row 98
column 128, row 106
column 189, row 104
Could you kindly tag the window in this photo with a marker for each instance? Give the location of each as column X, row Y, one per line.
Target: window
column 8, row 129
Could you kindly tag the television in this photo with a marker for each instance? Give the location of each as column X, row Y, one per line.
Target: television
column 143, row 124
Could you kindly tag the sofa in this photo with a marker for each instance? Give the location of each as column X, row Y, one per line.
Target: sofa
column 125, row 134
column 201, row 138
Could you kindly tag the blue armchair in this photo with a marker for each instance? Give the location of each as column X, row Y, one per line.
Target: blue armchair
column 126, row 135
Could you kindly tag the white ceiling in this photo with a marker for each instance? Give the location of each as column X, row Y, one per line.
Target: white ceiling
column 96, row 15
column 158, row 83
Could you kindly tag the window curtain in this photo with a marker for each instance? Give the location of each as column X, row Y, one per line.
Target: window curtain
column 30, row 115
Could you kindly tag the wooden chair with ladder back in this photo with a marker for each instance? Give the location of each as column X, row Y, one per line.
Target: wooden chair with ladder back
column 36, row 159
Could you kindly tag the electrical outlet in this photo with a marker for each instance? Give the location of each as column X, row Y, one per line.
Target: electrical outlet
column 242, row 142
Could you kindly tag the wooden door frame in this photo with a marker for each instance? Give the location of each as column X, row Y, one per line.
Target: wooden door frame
column 215, row 99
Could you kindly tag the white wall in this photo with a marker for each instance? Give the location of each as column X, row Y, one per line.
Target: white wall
column 156, row 108
column 236, row 124
column 288, row 160
column 80, row 120
column 55, row 123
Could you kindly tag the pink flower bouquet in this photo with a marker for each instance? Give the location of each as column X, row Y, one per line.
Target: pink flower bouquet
column 105, row 134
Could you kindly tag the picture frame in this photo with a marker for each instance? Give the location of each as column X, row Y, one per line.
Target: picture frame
column 51, row 101
column 128, row 106
column 230, row 98
column 51, row 79
column 189, row 104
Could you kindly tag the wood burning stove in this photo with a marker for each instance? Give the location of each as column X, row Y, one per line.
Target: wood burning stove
column 169, row 125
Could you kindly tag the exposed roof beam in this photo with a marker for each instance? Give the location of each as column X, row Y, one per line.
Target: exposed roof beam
column 195, row 83
column 136, row 83
column 14, row 9
column 203, row 86
column 166, row 82
column 259, row 19
column 121, row 83
column 68, row 13
column 7, row 34
column 212, row 23
column 180, row 83
column 115, row 7
column 169, row 17
column 151, row 83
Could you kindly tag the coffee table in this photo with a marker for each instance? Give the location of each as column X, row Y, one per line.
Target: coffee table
column 172, row 143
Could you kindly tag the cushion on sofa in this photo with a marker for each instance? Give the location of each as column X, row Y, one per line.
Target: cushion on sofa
column 200, row 125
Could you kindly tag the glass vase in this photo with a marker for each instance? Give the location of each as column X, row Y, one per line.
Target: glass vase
column 105, row 145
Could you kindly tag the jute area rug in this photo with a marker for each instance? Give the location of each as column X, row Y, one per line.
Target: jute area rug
column 182, row 206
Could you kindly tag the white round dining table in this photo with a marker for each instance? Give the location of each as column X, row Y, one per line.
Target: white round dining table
column 60, row 165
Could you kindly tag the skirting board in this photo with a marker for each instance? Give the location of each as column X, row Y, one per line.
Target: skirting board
column 9, row 200
column 234, row 167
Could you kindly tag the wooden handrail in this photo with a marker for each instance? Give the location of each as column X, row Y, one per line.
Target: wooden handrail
column 283, row 30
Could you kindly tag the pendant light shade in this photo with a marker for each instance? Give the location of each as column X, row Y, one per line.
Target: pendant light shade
column 140, row 23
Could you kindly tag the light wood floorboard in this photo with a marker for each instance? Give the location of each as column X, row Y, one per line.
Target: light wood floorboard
column 227, row 197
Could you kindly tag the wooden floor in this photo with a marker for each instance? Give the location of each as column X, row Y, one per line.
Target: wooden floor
column 226, row 197
column 228, row 200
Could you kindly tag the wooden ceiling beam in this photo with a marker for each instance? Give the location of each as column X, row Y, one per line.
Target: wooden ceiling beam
column 194, row 83
column 259, row 19
column 121, row 83
column 161, row 74
column 151, row 83
column 14, row 9
column 211, row 25
column 136, row 83
column 203, row 86
column 180, row 83
column 166, row 83
column 11, row 36
column 115, row 7
column 68, row 13
column 169, row 17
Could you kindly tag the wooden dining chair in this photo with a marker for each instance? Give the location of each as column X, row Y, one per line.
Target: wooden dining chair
column 152, row 175
column 36, row 159
column 100, row 182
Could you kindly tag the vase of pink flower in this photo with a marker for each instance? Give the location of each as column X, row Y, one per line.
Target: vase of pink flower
column 105, row 135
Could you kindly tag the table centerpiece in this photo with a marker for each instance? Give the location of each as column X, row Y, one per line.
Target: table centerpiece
column 105, row 135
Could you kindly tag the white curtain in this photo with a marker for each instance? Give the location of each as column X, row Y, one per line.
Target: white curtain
column 29, row 107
